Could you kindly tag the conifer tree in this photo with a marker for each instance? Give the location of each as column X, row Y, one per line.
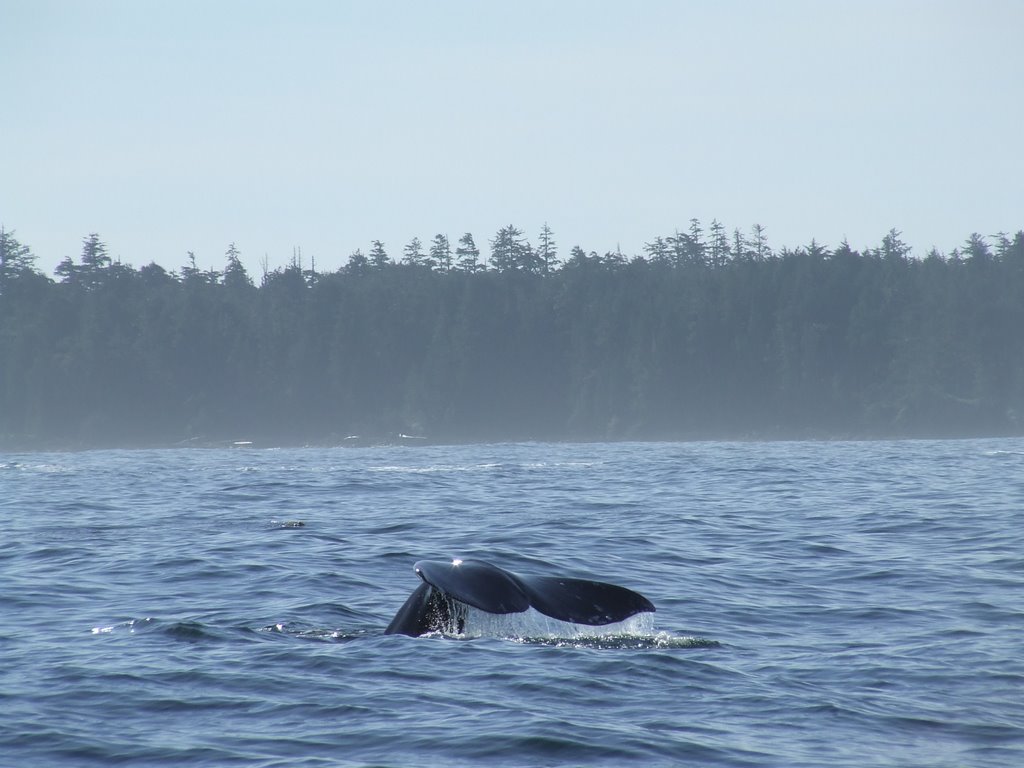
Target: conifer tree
column 190, row 272
column 893, row 248
column 509, row 250
column 719, row 246
column 697, row 248
column 378, row 256
column 235, row 275
column 547, row 251
column 740, row 247
column 683, row 249
column 657, row 250
column 94, row 254
column 413, row 252
column 358, row 264
column 15, row 258
column 94, row 262
column 441, row 253
column 760, row 243
column 977, row 249
column 468, row 254
column 577, row 255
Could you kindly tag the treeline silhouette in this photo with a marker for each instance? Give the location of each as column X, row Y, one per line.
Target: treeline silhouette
column 707, row 335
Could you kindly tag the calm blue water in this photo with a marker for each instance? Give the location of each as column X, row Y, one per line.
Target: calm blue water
column 819, row 604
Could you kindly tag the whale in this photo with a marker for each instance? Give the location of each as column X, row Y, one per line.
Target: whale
column 451, row 589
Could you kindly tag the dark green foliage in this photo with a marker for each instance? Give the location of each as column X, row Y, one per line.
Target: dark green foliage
column 709, row 337
column 440, row 253
column 16, row 260
column 468, row 254
column 413, row 253
column 378, row 256
column 510, row 252
column 547, row 250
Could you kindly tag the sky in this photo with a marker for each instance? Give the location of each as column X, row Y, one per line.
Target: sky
column 312, row 127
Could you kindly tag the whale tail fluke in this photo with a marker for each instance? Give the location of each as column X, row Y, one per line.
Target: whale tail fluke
column 439, row 602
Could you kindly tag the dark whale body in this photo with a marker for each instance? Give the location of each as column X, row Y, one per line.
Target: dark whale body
column 438, row 603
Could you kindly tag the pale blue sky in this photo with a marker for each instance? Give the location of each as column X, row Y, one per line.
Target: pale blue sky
column 182, row 125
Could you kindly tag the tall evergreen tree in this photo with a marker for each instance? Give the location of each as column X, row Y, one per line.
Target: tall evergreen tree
column 658, row 250
column 190, row 272
column 94, row 254
column 235, row 275
column 530, row 260
column 358, row 264
column 378, row 256
column 1014, row 253
column 698, row 249
column 577, row 256
column 413, row 252
column 93, row 266
column 15, row 258
column 740, row 247
column 468, row 255
column 816, row 250
column 719, row 246
column 893, row 248
column 760, row 243
column 684, row 249
column 509, row 250
column 547, row 250
column 977, row 249
column 441, row 253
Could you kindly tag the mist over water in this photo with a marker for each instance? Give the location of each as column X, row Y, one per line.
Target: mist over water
column 818, row 604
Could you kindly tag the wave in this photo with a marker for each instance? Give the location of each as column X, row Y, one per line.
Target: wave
column 531, row 627
column 659, row 641
column 635, row 633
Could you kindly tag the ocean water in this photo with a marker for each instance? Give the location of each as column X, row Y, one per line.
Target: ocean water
column 819, row 604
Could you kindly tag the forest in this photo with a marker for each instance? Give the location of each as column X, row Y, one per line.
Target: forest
column 705, row 335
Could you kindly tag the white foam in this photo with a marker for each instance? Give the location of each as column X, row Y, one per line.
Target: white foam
column 130, row 626
column 531, row 623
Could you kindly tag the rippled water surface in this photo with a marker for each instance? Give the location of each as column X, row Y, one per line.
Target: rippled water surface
column 819, row 604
